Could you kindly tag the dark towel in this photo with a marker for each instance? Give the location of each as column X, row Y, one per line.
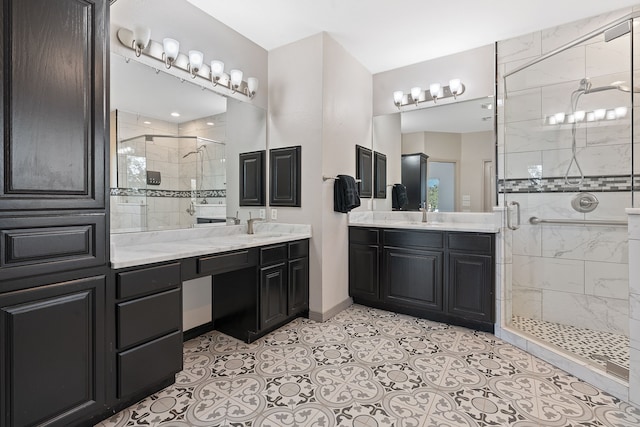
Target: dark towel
column 345, row 194
column 399, row 198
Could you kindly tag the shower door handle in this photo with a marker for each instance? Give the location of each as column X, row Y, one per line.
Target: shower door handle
column 509, row 224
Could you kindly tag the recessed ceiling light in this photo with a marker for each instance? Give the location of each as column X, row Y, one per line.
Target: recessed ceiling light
column 147, row 122
column 174, row 114
column 210, row 123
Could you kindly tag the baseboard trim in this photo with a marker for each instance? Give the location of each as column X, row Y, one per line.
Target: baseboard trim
column 197, row 331
column 322, row 317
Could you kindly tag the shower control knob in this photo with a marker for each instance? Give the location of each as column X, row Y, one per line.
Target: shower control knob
column 584, row 202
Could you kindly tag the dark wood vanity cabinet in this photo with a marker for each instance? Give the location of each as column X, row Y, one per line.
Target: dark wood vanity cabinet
column 285, row 176
column 52, row 364
column 284, row 282
column 440, row 275
column 252, row 178
column 147, row 329
column 53, row 211
column 414, row 177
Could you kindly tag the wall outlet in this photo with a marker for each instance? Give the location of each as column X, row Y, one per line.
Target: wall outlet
column 274, row 214
column 263, row 215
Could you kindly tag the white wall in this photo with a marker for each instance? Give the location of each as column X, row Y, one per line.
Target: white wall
column 328, row 112
column 347, row 122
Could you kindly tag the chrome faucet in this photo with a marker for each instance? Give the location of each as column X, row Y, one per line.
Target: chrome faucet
column 250, row 222
column 235, row 219
column 423, row 209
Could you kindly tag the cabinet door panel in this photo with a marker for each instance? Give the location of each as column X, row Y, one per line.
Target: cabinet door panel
column 298, row 285
column 273, row 295
column 413, row 278
column 363, row 271
column 54, row 59
column 471, row 286
column 53, row 338
column 252, row 179
column 284, row 185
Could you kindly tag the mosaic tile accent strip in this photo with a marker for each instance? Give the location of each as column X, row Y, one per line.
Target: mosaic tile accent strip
column 594, row 184
column 592, row 345
column 167, row 193
column 367, row 367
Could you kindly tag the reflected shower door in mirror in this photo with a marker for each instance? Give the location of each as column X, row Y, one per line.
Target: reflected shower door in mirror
column 171, row 145
column 459, row 140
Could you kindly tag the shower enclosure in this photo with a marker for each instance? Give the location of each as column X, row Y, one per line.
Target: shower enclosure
column 567, row 153
column 168, row 182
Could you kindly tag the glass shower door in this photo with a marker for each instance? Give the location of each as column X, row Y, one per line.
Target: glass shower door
column 567, row 132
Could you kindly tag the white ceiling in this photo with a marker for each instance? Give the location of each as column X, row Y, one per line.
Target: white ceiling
column 387, row 34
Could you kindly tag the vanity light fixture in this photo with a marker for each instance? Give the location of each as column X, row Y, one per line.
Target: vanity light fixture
column 168, row 52
column 217, row 71
column 171, row 51
column 236, row 80
column 436, row 91
column 196, row 59
column 252, row 87
column 415, row 94
column 589, row 116
column 141, row 38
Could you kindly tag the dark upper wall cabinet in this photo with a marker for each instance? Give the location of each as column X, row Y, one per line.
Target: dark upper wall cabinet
column 252, row 177
column 364, row 171
column 379, row 176
column 53, row 68
column 414, row 177
column 284, row 183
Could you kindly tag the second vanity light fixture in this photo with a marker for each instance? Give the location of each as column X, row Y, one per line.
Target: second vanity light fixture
column 435, row 92
column 169, row 53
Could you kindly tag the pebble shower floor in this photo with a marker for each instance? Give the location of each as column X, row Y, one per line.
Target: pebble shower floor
column 367, row 367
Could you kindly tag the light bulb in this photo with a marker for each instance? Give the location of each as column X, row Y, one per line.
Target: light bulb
column 434, row 90
column 171, row 50
column 455, row 85
column 195, row 62
column 217, row 69
column 559, row 118
column 579, row 115
column 600, row 113
column 236, row 78
column 621, row 112
column 252, row 86
column 141, row 37
column 397, row 97
column 415, row 94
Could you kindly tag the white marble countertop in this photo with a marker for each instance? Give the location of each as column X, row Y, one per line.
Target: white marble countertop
column 454, row 221
column 133, row 249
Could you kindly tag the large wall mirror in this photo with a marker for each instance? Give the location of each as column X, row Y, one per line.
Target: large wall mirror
column 174, row 149
column 459, row 140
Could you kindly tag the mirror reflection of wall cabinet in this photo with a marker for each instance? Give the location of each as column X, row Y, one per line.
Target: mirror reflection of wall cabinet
column 285, row 171
column 379, row 176
column 364, row 171
column 414, row 177
column 252, row 179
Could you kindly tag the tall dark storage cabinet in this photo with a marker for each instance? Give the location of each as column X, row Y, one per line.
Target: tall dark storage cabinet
column 53, row 210
column 414, row 177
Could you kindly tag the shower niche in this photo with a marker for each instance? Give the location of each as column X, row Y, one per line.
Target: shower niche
column 567, row 163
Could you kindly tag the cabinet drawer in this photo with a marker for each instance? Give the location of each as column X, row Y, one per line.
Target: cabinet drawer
column 273, row 254
column 149, row 317
column 228, row 261
column 149, row 364
column 147, row 280
column 424, row 239
column 471, row 242
column 365, row 236
column 298, row 249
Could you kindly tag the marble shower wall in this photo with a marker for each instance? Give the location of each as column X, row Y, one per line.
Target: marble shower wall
column 575, row 275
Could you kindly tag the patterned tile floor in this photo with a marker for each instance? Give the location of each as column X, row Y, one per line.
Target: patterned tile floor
column 582, row 342
column 366, row 368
